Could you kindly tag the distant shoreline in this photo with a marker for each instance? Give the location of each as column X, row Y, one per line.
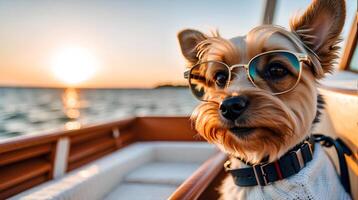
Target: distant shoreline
column 170, row 86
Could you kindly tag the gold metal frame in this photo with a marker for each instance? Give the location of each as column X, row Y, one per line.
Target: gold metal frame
column 301, row 57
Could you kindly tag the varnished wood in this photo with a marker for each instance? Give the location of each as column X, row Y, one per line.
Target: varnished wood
column 351, row 45
column 211, row 192
column 84, row 150
column 32, row 140
column 90, row 158
column 350, row 92
column 24, row 153
column 4, row 194
column 21, row 172
column 164, row 129
column 196, row 184
column 89, row 136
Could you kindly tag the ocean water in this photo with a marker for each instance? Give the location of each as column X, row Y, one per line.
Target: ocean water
column 25, row 111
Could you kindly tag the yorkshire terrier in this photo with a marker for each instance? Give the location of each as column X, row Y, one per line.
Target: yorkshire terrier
column 260, row 102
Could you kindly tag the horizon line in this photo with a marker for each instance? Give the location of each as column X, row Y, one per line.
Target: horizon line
column 80, row 87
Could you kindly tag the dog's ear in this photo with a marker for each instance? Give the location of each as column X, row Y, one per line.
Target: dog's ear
column 188, row 40
column 319, row 28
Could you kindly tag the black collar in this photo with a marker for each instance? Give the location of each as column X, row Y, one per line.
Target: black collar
column 266, row 173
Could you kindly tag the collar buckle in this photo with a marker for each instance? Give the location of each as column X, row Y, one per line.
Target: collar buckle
column 260, row 172
column 299, row 156
column 309, row 146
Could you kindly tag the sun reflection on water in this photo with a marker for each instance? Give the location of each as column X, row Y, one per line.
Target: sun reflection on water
column 71, row 104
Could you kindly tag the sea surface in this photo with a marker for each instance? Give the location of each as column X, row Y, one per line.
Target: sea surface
column 25, row 111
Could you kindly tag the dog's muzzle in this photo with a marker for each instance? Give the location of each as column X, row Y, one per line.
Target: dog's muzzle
column 232, row 107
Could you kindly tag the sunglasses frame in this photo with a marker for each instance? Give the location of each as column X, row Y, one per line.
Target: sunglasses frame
column 301, row 57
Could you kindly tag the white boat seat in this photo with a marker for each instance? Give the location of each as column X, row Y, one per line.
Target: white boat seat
column 108, row 176
column 135, row 191
column 168, row 173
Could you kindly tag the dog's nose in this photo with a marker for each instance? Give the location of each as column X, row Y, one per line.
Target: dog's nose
column 231, row 108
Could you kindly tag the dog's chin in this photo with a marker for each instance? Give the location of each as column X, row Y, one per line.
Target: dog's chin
column 242, row 132
column 252, row 144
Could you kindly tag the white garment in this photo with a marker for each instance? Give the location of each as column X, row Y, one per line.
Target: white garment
column 318, row 180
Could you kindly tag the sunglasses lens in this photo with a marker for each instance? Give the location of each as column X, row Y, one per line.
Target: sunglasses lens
column 207, row 79
column 275, row 72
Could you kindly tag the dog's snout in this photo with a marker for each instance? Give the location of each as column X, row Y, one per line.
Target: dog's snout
column 231, row 108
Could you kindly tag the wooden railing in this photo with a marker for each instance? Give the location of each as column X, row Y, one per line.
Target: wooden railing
column 30, row 160
column 94, row 142
column 203, row 183
column 25, row 167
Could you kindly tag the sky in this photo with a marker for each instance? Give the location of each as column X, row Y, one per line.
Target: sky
column 133, row 41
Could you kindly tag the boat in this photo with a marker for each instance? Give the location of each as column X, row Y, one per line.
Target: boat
column 149, row 157
column 153, row 157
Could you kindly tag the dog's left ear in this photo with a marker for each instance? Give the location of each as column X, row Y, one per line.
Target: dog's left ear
column 319, row 28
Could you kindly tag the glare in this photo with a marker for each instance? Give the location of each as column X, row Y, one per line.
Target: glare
column 73, row 125
column 74, row 65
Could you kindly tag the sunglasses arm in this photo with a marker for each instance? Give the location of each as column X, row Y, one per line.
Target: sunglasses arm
column 303, row 57
column 186, row 74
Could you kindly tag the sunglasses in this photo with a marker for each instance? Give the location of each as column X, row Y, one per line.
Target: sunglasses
column 277, row 72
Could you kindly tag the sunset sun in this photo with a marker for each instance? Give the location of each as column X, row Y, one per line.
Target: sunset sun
column 74, row 65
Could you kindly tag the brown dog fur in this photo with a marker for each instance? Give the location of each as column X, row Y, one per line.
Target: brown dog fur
column 280, row 121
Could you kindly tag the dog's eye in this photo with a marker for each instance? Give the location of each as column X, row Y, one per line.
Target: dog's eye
column 221, row 79
column 275, row 71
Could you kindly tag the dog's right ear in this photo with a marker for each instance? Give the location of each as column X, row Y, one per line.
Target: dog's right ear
column 319, row 28
column 188, row 40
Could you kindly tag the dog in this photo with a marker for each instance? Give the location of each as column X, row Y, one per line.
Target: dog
column 260, row 102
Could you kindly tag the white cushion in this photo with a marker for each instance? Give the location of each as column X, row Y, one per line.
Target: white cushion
column 132, row 191
column 168, row 173
column 183, row 151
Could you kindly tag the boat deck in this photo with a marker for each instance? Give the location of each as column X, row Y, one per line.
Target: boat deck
column 155, row 180
column 143, row 170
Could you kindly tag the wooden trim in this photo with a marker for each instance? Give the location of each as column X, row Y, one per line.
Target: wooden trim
column 26, row 167
column 196, row 184
column 350, row 46
column 145, row 128
column 25, row 153
column 4, row 194
column 90, row 158
column 84, row 150
column 88, row 147
column 30, row 160
column 211, row 192
column 26, row 141
column 16, row 174
column 164, row 129
column 339, row 90
column 83, row 138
